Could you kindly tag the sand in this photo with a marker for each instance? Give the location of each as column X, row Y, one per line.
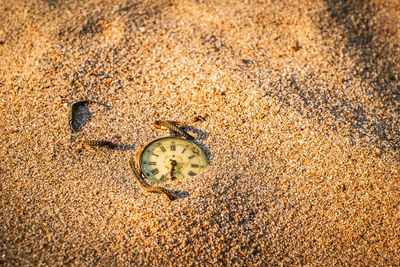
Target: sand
column 302, row 131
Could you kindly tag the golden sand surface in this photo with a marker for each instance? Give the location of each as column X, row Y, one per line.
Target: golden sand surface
column 302, row 129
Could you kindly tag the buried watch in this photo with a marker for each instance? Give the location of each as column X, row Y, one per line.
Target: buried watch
column 168, row 159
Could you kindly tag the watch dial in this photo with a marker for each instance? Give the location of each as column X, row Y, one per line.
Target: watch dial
column 171, row 158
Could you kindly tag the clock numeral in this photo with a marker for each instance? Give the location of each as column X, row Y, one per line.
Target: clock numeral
column 184, row 149
column 154, row 171
column 152, row 163
column 192, row 156
column 192, row 173
column 162, row 148
column 195, row 165
column 173, row 147
column 195, row 151
column 154, row 154
column 163, row 178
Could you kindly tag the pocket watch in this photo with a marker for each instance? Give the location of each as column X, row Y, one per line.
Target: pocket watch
column 168, row 159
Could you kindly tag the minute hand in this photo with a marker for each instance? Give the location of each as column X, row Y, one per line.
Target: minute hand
column 173, row 163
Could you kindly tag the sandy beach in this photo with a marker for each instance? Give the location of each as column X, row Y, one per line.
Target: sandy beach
column 301, row 101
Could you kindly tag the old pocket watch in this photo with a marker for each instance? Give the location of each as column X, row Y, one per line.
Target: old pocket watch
column 168, row 159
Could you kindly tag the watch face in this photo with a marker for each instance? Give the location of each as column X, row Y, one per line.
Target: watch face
column 171, row 158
